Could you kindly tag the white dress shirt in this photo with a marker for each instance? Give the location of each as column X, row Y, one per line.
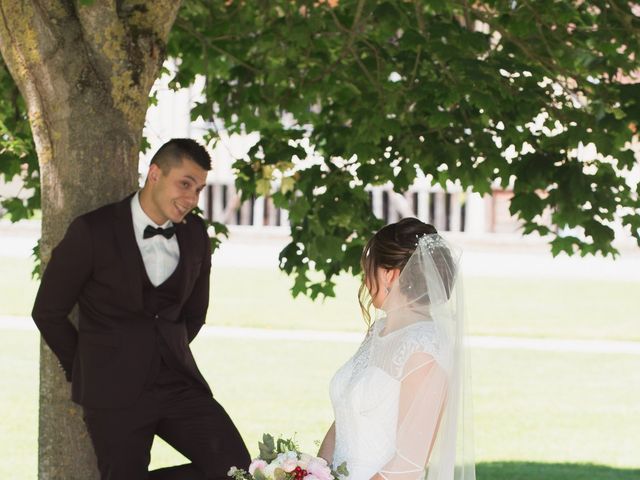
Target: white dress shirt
column 159, row 254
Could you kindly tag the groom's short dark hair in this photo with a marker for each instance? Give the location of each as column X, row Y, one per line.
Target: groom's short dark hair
column 177, row 149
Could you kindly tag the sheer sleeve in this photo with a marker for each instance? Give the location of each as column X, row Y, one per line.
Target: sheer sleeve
column 423, row 393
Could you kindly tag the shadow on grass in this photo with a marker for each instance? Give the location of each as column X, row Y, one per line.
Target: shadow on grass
column 552, row 471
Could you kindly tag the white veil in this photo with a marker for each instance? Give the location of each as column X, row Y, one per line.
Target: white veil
column 419, row 340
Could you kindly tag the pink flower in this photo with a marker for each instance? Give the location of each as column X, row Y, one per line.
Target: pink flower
column 319, row 469
column 257, row 464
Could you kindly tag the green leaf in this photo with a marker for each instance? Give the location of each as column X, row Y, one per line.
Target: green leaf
column 287, row 185
column 527, row 205
column 342, row 469
column 280, row 474
column 300, row 284
column 36, row 273
column 263, row 187
column 299, row 208
column 567, row 245
column 267, row 448
column 329, row 247
column 440, row 120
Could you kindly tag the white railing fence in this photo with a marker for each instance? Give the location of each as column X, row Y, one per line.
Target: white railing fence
column 454, row 209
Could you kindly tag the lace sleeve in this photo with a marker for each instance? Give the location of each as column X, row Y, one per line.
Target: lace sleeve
column 419, row 338
column 423, row 393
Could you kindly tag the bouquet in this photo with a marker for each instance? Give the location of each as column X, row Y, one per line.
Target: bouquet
column 281, row 460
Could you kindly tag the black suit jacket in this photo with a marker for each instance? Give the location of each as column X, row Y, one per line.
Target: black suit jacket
column 98, row 266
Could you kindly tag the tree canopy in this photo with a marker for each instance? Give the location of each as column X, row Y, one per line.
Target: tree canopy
column 480, row 93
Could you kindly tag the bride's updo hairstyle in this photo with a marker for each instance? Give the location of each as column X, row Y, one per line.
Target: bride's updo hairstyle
column 391, row 247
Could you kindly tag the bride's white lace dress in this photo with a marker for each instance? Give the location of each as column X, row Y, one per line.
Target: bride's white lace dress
column 401, row 403
column 387, row 401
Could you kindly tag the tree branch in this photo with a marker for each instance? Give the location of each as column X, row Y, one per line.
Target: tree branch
column 155, row 16
column 467, row 15
column 348, row 47
column 209, row 43
column 420, row 17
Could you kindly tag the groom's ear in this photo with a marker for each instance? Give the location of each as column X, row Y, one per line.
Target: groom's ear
column 154, row 173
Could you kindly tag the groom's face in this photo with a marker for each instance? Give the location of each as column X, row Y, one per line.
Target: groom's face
column 175, row 193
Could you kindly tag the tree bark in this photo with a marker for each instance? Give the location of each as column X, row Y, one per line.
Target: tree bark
column 85, row 73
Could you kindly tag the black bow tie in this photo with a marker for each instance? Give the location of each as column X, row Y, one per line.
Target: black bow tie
column 153, row 231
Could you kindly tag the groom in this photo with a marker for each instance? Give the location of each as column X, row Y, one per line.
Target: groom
column 139, row 272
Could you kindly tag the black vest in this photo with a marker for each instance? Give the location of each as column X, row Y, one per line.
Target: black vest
column 164, row 367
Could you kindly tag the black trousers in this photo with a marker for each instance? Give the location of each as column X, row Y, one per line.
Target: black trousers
column 181, row 413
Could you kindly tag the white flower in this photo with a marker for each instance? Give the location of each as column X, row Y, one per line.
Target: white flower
column 305, row 458
column 289, row 455
column 232, row 471
column 270, row 469
column 289, row 465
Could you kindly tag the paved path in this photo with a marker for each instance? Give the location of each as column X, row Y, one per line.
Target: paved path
column 484, row 342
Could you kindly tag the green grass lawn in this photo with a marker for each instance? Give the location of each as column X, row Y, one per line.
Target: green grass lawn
column 17, row 289
column 495, row 306
column 538, row 415
column 244, row 297
column 19, row 401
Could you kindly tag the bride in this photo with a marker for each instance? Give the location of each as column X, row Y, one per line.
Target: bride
column 400, row 402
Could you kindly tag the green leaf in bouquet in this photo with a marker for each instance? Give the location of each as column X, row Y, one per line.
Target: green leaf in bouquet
column 258, row 475
column 342, row 470
column 286, row 445
column 267, row 448
column 238, row 473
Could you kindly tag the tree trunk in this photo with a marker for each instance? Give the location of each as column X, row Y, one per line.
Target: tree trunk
column 85, row 73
